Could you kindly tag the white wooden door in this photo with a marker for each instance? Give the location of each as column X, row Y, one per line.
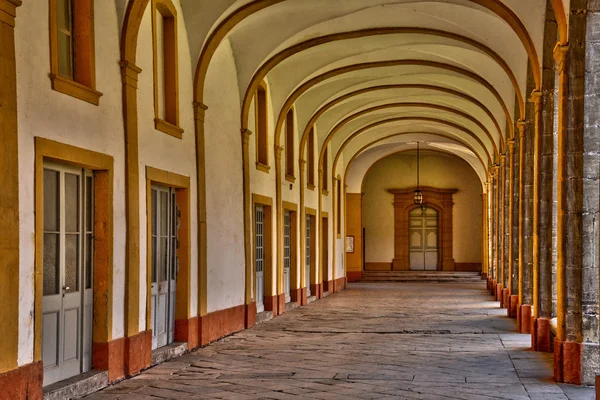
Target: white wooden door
column 164, row 265
column 259, row 256
column 67, row 303
column 308, row 256
column 423, row 239
column 287, row 254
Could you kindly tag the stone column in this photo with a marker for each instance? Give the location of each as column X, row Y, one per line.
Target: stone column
column 576, row 342
column 506, row 200
column 511, row 301
column 484, row 238
column 500, row 234
column 493, row 223
column 541, row 335
column 526, row 244
column 516, row 226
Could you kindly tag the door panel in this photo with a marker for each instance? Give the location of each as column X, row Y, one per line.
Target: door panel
column 164, row 271
column 308, row 256
column 67, row 312
column 423, row 239
column 287, row 254
column 259, row 255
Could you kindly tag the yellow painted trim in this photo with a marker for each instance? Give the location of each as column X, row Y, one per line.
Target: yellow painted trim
column 290, row 179
column 63, row 84
column 199, row 114
column 171, row 72
column 183, row 293
column 311, row 211
column 264, row 167
column 290, row 206
column 169, row 129
column 9, row 196
column 269, row 271
column 82, row 158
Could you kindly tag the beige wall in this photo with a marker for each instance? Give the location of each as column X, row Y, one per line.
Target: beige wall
column 437, row 170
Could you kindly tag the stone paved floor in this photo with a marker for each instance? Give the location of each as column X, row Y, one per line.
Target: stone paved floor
column 372, row 341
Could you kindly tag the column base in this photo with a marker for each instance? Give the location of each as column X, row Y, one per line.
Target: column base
column 317, row 290
column 513, row 306
column 138, row 352
column 484, row 276
column 23, row 383
column 109, row 357
column 567, row 361
column 499, row 288
column 303, row 296
column 505, row 303
column 186, row 330
column 250, row 318
column 494, row 287
column 541, row 335
column 524, row 318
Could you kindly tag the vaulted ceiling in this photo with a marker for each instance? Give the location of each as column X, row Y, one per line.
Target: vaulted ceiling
column 377, row 76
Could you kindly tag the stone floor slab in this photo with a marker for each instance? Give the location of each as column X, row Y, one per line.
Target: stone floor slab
column 372, row 341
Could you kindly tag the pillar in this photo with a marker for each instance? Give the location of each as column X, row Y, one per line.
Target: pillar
column 526, row 217
column 17, row 381
column 541, row 335
column 516, row 221
column 576, row 342
column 500, row 234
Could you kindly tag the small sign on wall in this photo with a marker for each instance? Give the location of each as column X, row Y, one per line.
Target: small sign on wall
column 349, row 244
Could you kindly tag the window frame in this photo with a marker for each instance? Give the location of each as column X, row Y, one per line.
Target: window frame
column 262, row 130
column 290, row 133
column 81, row 85
column 310, row 165
column 171, row 123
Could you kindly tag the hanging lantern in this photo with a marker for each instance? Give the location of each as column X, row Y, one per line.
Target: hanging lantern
column 418, row 195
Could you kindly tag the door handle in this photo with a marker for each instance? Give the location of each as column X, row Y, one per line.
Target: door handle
column 65, row 288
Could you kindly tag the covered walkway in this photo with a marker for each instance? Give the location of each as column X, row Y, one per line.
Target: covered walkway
column 372, row 341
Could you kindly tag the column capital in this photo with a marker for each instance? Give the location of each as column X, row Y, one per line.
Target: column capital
column 302, row 163
column 8, row 11
column 246, row 135
column 200, row 111
column 560, row 53
column 278, row 151
column 129, row 73
column 511, row 145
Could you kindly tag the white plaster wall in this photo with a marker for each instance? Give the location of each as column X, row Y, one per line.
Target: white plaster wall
column 43, row 113
column 437, row 170
column 162, row 151
column 224, row 180
column 311, row 197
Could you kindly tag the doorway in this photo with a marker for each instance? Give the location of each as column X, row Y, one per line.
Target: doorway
column 308, row 253
column 165, row 217
column 325, row 254
column 259, row 256
column 287, row 254
column 67, row 302
column 423, row 239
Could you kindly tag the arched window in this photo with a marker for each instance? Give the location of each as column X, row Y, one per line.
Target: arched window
column 311, row 159
column 325, row 173
column 289, row 145
column 166, row 85
column 339, row 206
column 262, row 145
column 72, row 53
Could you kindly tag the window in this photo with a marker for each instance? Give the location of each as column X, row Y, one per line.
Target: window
column 262, row 154
column 166, row 85
column 289, row 146
column 325, row 173
column 339, row 206
column 311, row 159
column 72, row 54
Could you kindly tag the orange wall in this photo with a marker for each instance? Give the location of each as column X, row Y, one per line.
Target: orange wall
column 354, row 228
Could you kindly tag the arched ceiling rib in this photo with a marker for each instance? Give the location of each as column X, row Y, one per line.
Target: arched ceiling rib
column 361, row 162
column 462, row 61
